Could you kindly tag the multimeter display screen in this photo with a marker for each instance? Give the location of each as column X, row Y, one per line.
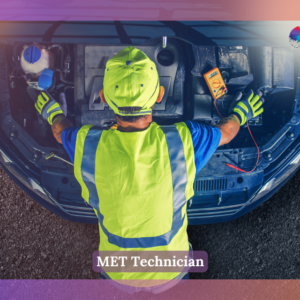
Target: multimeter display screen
column 212, row 74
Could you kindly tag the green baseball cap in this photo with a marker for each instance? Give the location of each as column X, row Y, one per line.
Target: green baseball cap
column 131, row 79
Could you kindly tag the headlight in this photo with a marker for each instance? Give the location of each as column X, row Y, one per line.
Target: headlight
column 19, row 174
column 285, row 173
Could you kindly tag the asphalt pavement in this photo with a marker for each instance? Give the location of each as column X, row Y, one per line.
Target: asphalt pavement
column 37, row 244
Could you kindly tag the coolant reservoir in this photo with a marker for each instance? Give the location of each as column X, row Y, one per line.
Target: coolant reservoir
column 36, row 58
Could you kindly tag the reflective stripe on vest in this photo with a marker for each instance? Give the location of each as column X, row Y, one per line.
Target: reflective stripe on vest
column 179, row 179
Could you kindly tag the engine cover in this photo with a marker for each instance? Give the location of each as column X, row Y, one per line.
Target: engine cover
column 89, row 73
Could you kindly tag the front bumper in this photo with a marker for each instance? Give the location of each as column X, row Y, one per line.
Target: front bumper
column 77, row 210
column 33, row 187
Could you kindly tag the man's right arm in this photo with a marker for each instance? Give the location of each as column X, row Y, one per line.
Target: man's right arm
column 229, row 128
column 62, row 128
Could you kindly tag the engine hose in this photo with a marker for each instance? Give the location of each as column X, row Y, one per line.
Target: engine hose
column 55, row 46
column 61, row 48
column 63, row 79
column 15, row 60
column 67, row 87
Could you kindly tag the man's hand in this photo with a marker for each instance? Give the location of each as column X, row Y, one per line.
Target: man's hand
column 48, row 107
column 54, row 113
column 248, row 107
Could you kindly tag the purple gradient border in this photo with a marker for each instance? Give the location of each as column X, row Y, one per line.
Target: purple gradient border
column 197, row 289
column 163, row 10
column 255, row 10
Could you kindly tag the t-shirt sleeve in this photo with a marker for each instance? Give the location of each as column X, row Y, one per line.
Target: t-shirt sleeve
column 68, row 138
column 206, row 140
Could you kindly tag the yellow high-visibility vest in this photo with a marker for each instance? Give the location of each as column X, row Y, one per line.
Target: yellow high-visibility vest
column 138, row 184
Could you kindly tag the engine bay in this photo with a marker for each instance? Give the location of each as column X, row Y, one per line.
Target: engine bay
column 89, row 81
column 77, row 72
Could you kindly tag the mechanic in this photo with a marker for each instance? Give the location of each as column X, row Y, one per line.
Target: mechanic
column 142, row 172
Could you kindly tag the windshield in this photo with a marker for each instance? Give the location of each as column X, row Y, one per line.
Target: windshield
column 244, row 33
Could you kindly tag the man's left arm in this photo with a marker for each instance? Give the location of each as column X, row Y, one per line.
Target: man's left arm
column 60, row 123
column 248, row 107
column 229, row 128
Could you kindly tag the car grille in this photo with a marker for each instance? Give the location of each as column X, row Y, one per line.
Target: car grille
column 210, row 185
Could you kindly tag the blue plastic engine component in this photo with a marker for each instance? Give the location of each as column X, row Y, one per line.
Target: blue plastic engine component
column 46, row 79
column 32, row 54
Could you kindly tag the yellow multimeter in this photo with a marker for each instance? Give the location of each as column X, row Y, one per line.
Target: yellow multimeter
column 215, row 83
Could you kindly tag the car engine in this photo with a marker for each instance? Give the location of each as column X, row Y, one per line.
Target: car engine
column 76, row 71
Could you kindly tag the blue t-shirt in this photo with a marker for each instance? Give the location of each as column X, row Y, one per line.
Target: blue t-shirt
column 205, row 138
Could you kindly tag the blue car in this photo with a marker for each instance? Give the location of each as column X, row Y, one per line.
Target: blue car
column 68, row 59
